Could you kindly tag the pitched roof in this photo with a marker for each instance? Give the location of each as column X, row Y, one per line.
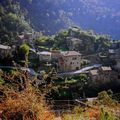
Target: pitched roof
column 4, row 47
column 104, row 68
column 70, row 53
column 21, row 37
column 94, row 72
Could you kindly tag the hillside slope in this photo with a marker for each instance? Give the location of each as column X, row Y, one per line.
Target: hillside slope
column 103, row 16
column 12, row 21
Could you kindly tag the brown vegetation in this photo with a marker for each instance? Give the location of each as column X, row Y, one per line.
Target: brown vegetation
column 22, row 105
column 26, row 105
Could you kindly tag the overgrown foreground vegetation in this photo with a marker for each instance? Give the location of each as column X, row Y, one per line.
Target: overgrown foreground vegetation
column 104, row 108
column 21, row 100
column 26, row 105
column 21, row 104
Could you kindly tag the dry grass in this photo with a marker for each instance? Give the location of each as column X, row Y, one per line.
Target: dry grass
column 26, row 104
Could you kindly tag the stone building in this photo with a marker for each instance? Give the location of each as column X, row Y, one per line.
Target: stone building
column 103, row 75
column 69, row 60
column 55, row 54
column 74, row 43
column 4, row 51
column 114, row 54
column 44, row 56
column 25, row 38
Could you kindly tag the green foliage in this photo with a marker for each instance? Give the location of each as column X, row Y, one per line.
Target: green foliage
column 105, row 99
column 59, row 93
column 57, row 80
column 13, row 17
column 23, row 53
column 105, row 115
column 1, row 10
column 91, row 42
column 42, row 39
column 78, row 110
column 24, row 49
column 24, row 25
column 44, row 42
column 74, row 117
column 71, row 82
column 1, row 81
column 60, row 40
column 85, row 63
column 12, row 21
column 62, row 86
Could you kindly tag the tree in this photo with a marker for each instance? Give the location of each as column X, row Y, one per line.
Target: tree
column 24, row 51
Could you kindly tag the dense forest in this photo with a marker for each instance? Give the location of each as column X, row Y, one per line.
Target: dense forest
column 103, row 15
column 12, row 20
column 50, row 16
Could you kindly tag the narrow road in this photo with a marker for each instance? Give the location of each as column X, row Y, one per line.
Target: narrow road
column 81, row 70
column 32, row 72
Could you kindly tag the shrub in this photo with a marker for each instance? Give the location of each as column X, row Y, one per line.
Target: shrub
column 1, row 81
column 105, row 115
column 26, row 105
column 25, row 49
column 78, row 110
column 105, row 99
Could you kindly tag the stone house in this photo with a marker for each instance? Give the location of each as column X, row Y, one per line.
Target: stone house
column 4, row 51
column 114, row 54
column 44, row 56
column 103, row 75
column 55, row 54
column 74, row 43
column 94, row 74
column 107, row 74
column 64, row 61
column 25, row 38
column 69, row 61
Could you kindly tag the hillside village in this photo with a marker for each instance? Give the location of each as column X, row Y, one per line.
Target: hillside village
column 78, row 54
column 53, row 66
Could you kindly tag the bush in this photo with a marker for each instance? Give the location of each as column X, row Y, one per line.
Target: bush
column 24, row 49
column 78, row 110
column 1, row 81
column 105, row 115
column 105, row 99
column 26, row 105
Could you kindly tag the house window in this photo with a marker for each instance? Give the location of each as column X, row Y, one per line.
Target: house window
column 74, row 58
